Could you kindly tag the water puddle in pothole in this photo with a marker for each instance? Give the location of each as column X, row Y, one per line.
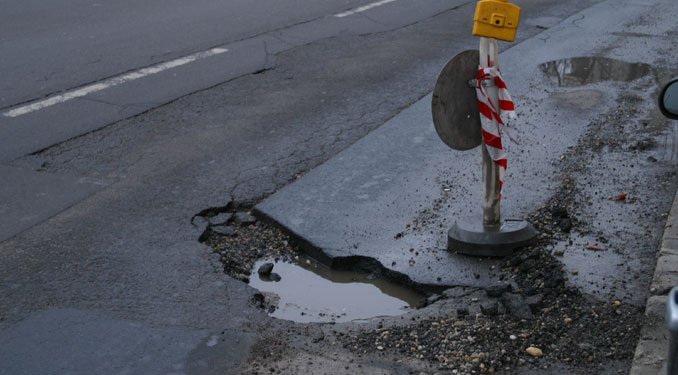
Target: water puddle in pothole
column 309, row 292
column 578, row 71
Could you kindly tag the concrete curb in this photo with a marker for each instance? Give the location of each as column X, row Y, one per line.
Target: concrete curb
column 653, row 345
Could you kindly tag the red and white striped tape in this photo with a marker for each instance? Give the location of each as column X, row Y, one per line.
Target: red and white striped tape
column 491, row 117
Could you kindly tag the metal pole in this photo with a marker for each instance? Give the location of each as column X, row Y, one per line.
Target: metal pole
column 489, row 56
column 672, row 325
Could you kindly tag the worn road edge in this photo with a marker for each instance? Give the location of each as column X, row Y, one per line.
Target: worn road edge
column 653, row 345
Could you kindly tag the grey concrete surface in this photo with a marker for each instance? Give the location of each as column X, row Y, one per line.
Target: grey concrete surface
column 392, row 195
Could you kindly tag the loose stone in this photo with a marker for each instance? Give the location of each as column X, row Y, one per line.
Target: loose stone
column 265, row 269
column 534, row 351
column 489, row 309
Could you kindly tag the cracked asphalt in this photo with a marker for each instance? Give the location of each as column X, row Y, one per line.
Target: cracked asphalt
column 120, row 270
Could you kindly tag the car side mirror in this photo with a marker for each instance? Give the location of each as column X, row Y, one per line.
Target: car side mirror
column 668, row 99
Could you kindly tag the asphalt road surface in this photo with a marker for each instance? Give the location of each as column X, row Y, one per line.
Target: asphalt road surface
column 54, row 49
column 120, row 121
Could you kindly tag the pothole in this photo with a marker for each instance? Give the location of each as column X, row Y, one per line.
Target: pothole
column 578, row 71
column 297, row 287
column 513, row 327
column 306, row 291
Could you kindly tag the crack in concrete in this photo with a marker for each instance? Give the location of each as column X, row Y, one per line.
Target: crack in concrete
column 575, row 22
column 270, row 60
column 364, row 15
column 545, row 38
column 279, row 38
column 123, row 106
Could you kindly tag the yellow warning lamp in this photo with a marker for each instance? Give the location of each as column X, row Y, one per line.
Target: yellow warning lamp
column 496, row 19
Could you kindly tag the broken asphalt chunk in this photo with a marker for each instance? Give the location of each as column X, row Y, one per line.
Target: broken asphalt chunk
column 225, row 231
column 497, row 290
column 220, row 219
column 516, row 305
column 244, row 218
column 489, row 308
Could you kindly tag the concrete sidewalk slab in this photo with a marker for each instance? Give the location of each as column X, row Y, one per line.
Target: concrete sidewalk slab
column 393, row 195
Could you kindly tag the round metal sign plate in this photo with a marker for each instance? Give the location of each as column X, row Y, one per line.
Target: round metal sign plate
column 455, row 105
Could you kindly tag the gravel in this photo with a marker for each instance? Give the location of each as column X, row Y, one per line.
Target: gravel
column 545, row 315
column 244, row 240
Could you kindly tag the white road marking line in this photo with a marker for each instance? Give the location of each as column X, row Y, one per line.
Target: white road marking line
column 115, row 81
column 363, row 8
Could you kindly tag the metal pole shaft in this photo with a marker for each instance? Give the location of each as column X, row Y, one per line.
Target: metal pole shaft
column 672, row 325
column 489, row 56
column 672, row 361
column 491, row 206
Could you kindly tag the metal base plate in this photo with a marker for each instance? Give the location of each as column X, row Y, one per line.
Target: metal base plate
column 469, row 236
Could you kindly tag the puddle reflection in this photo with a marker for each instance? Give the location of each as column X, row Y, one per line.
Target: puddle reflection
column 580, row 71
column 310, row 292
